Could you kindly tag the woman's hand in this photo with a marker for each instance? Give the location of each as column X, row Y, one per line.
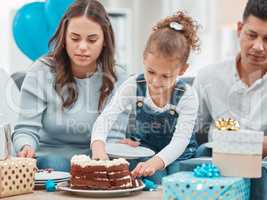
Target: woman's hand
column 26, row 152
column 99, row 150
column 149, row 167
column 130, row 142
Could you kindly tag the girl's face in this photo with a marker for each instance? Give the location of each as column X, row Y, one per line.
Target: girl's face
column 161, row 72
column 84, row 42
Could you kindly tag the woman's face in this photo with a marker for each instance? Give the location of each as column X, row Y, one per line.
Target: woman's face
column 161, row 73
column 84, row 43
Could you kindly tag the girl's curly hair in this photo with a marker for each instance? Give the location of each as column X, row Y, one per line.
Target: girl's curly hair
column 171, row 42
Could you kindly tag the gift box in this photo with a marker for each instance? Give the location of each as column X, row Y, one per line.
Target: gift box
column 258, row 187
column 238, row 153
column 17, row 176
column 185, row 186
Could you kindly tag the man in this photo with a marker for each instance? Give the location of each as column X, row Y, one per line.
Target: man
column 237, row 88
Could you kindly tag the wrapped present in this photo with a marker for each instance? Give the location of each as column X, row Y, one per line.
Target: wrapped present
column 17, row 176
column 186, row 186
column 237, row 152
column 258, row 188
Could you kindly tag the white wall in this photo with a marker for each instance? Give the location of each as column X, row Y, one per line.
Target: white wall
column 141, row 22
column 144, row 14
column 218, row 34
column 218, row 26
column 6, row 40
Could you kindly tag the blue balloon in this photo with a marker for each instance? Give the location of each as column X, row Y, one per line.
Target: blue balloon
column 30, row 30
column 54, row 10
column 35, row 23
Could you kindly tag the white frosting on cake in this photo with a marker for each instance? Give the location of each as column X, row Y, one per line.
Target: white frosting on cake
column 126, row 185
column 84, row 161
column 123, row 178
column 137, row 183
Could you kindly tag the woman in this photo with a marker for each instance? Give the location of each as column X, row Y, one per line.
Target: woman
column 64, row 92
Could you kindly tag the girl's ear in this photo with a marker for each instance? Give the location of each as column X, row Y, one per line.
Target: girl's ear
column 185, row 66
column 181, row 70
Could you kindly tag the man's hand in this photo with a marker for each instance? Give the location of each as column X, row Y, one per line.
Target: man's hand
column 149, row 167
column 130, row 142
column 26, row 152
column 99, row 151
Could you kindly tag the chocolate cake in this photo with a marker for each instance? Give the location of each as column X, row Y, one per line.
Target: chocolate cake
column 100, row 174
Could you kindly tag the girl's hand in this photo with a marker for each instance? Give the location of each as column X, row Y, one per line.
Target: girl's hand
column 26, row 152
column 100, row 156
column 143, row 169
column 99, row 151
column 148, row 168
column 130, row 142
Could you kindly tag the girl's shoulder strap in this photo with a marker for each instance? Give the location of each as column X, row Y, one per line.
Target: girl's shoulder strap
column 140, row 78
column 178, row 91
column 141, row 85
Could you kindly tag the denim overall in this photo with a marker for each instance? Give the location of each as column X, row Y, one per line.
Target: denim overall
column 155, row 129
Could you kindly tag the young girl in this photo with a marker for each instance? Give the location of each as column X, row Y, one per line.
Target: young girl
column 165, row 107
column 63, row 92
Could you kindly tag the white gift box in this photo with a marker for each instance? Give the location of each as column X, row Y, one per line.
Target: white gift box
column 238, row 153
column 238, row 142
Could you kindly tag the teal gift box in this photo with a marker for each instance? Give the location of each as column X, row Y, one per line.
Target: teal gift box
column 185, row 186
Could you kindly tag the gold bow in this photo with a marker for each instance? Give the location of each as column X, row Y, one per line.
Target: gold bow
column 227, row 124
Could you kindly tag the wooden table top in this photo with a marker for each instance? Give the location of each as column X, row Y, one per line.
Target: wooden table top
column 60, row 195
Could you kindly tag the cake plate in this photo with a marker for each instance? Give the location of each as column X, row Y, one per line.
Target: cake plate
column 118, row 150
column 101, row 193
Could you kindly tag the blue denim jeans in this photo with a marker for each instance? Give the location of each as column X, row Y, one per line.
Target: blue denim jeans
column 259, row 185
column 58, row 163
column 203, row 151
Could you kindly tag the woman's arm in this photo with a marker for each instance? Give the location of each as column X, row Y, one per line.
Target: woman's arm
column 32, row 106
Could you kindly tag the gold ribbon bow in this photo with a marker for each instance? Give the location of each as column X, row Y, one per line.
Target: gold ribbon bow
column 227, row 124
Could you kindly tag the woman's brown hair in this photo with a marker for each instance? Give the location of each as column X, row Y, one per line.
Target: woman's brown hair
column 174, row 42
column 64, row 81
